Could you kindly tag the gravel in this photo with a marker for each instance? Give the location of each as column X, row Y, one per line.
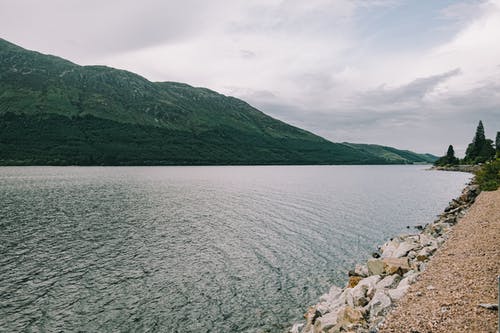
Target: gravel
column 459, row 277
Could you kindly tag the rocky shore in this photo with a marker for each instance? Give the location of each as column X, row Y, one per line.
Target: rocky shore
column 374, row 287
column 460, row 168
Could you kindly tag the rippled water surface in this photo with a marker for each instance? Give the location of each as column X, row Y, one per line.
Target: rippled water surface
column 194, row 249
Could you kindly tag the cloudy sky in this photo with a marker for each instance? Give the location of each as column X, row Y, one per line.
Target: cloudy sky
column 411, row 74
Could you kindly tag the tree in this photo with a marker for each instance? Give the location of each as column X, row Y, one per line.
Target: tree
column 448, row 159
column 450, row 154
column 480, row 149
column 497, row 144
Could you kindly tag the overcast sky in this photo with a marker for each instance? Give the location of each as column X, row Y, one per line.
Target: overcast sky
column 415, row 74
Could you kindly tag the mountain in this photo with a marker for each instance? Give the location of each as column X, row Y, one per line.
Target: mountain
column 393, row 155
column 55, row 112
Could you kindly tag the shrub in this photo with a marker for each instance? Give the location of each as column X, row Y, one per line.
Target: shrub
column 488, row 177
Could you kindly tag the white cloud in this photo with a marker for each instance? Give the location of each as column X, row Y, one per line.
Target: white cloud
column 389, row 72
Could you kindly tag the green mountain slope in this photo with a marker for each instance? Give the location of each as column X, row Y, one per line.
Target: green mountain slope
column 55, row 112
column 393, row 155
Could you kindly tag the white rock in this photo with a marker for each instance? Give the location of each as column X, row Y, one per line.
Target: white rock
column 426, row 240
column 426, row 252
column 324, row 323
column 296, row 328
column 388, row 248
column 399, row 247
column 361, row 270
column 422, row 266
column 335, row 299
column 347, row 297
column 369, row 281
column 359, row 295
column 379, row 304
column 323, row 307
column 398, row 293
column 408, row 279
column 389, row 281
column 403, row 249
column 332, row 295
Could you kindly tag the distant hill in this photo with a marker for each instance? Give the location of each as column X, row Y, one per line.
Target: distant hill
column 393, row 155
column 54, row 112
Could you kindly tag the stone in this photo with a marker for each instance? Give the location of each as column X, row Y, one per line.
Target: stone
column 399, row 247
column 396, row 265
column 389, row 247
column 379, row 304
column 426, row 240
column 425, row 253
column 353, row 281
column 348, row 317
column 375, row 266
column 450, row 220
column 389, row 281
column 403, row 249
column 310, row 317
column 346, row 297
column 359, row 295
column 370, row 281
column 323, row 308
column 361, row 270
column 398, row 293
column 408, row 279
column 489, row 306
column 412, row 254
column 422, row 257
column 422, row 266
column 296, row 328
column 332, row 296
column 365, row 289
column 326, row 322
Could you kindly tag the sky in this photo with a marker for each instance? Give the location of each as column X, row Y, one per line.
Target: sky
column 415, row 75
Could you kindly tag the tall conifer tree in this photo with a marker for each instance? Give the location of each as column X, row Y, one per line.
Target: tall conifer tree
column 497, row 144
column 480, row 149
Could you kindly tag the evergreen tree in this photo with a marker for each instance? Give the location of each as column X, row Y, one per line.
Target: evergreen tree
column 480, row 149
column 497, row 144
column 450, row 154
column 448, row 159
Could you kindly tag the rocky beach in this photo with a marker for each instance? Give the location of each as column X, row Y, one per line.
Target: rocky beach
column 430, row 281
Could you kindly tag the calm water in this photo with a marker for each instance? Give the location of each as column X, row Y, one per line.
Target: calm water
column 194, row 249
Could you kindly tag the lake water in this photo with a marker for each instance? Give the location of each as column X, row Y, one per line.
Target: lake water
column 195, row 249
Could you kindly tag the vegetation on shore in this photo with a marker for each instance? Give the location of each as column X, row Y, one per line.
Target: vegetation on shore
column 481, row 151
column 488, row 177
column 448, row 159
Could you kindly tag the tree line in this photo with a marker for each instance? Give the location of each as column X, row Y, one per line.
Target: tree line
column 480, row 150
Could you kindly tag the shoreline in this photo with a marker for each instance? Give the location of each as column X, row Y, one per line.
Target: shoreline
column 458, row 291
column 458, row 168
column 374, row 288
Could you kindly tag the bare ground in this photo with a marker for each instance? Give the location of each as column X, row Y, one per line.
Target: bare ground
column 460, row 276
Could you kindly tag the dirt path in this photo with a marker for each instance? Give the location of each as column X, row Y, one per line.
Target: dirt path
column 461, row 275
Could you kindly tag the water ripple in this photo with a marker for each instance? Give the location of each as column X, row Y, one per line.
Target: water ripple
column 194, row 249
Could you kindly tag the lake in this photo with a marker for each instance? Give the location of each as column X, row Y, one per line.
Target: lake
column 195, row 249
